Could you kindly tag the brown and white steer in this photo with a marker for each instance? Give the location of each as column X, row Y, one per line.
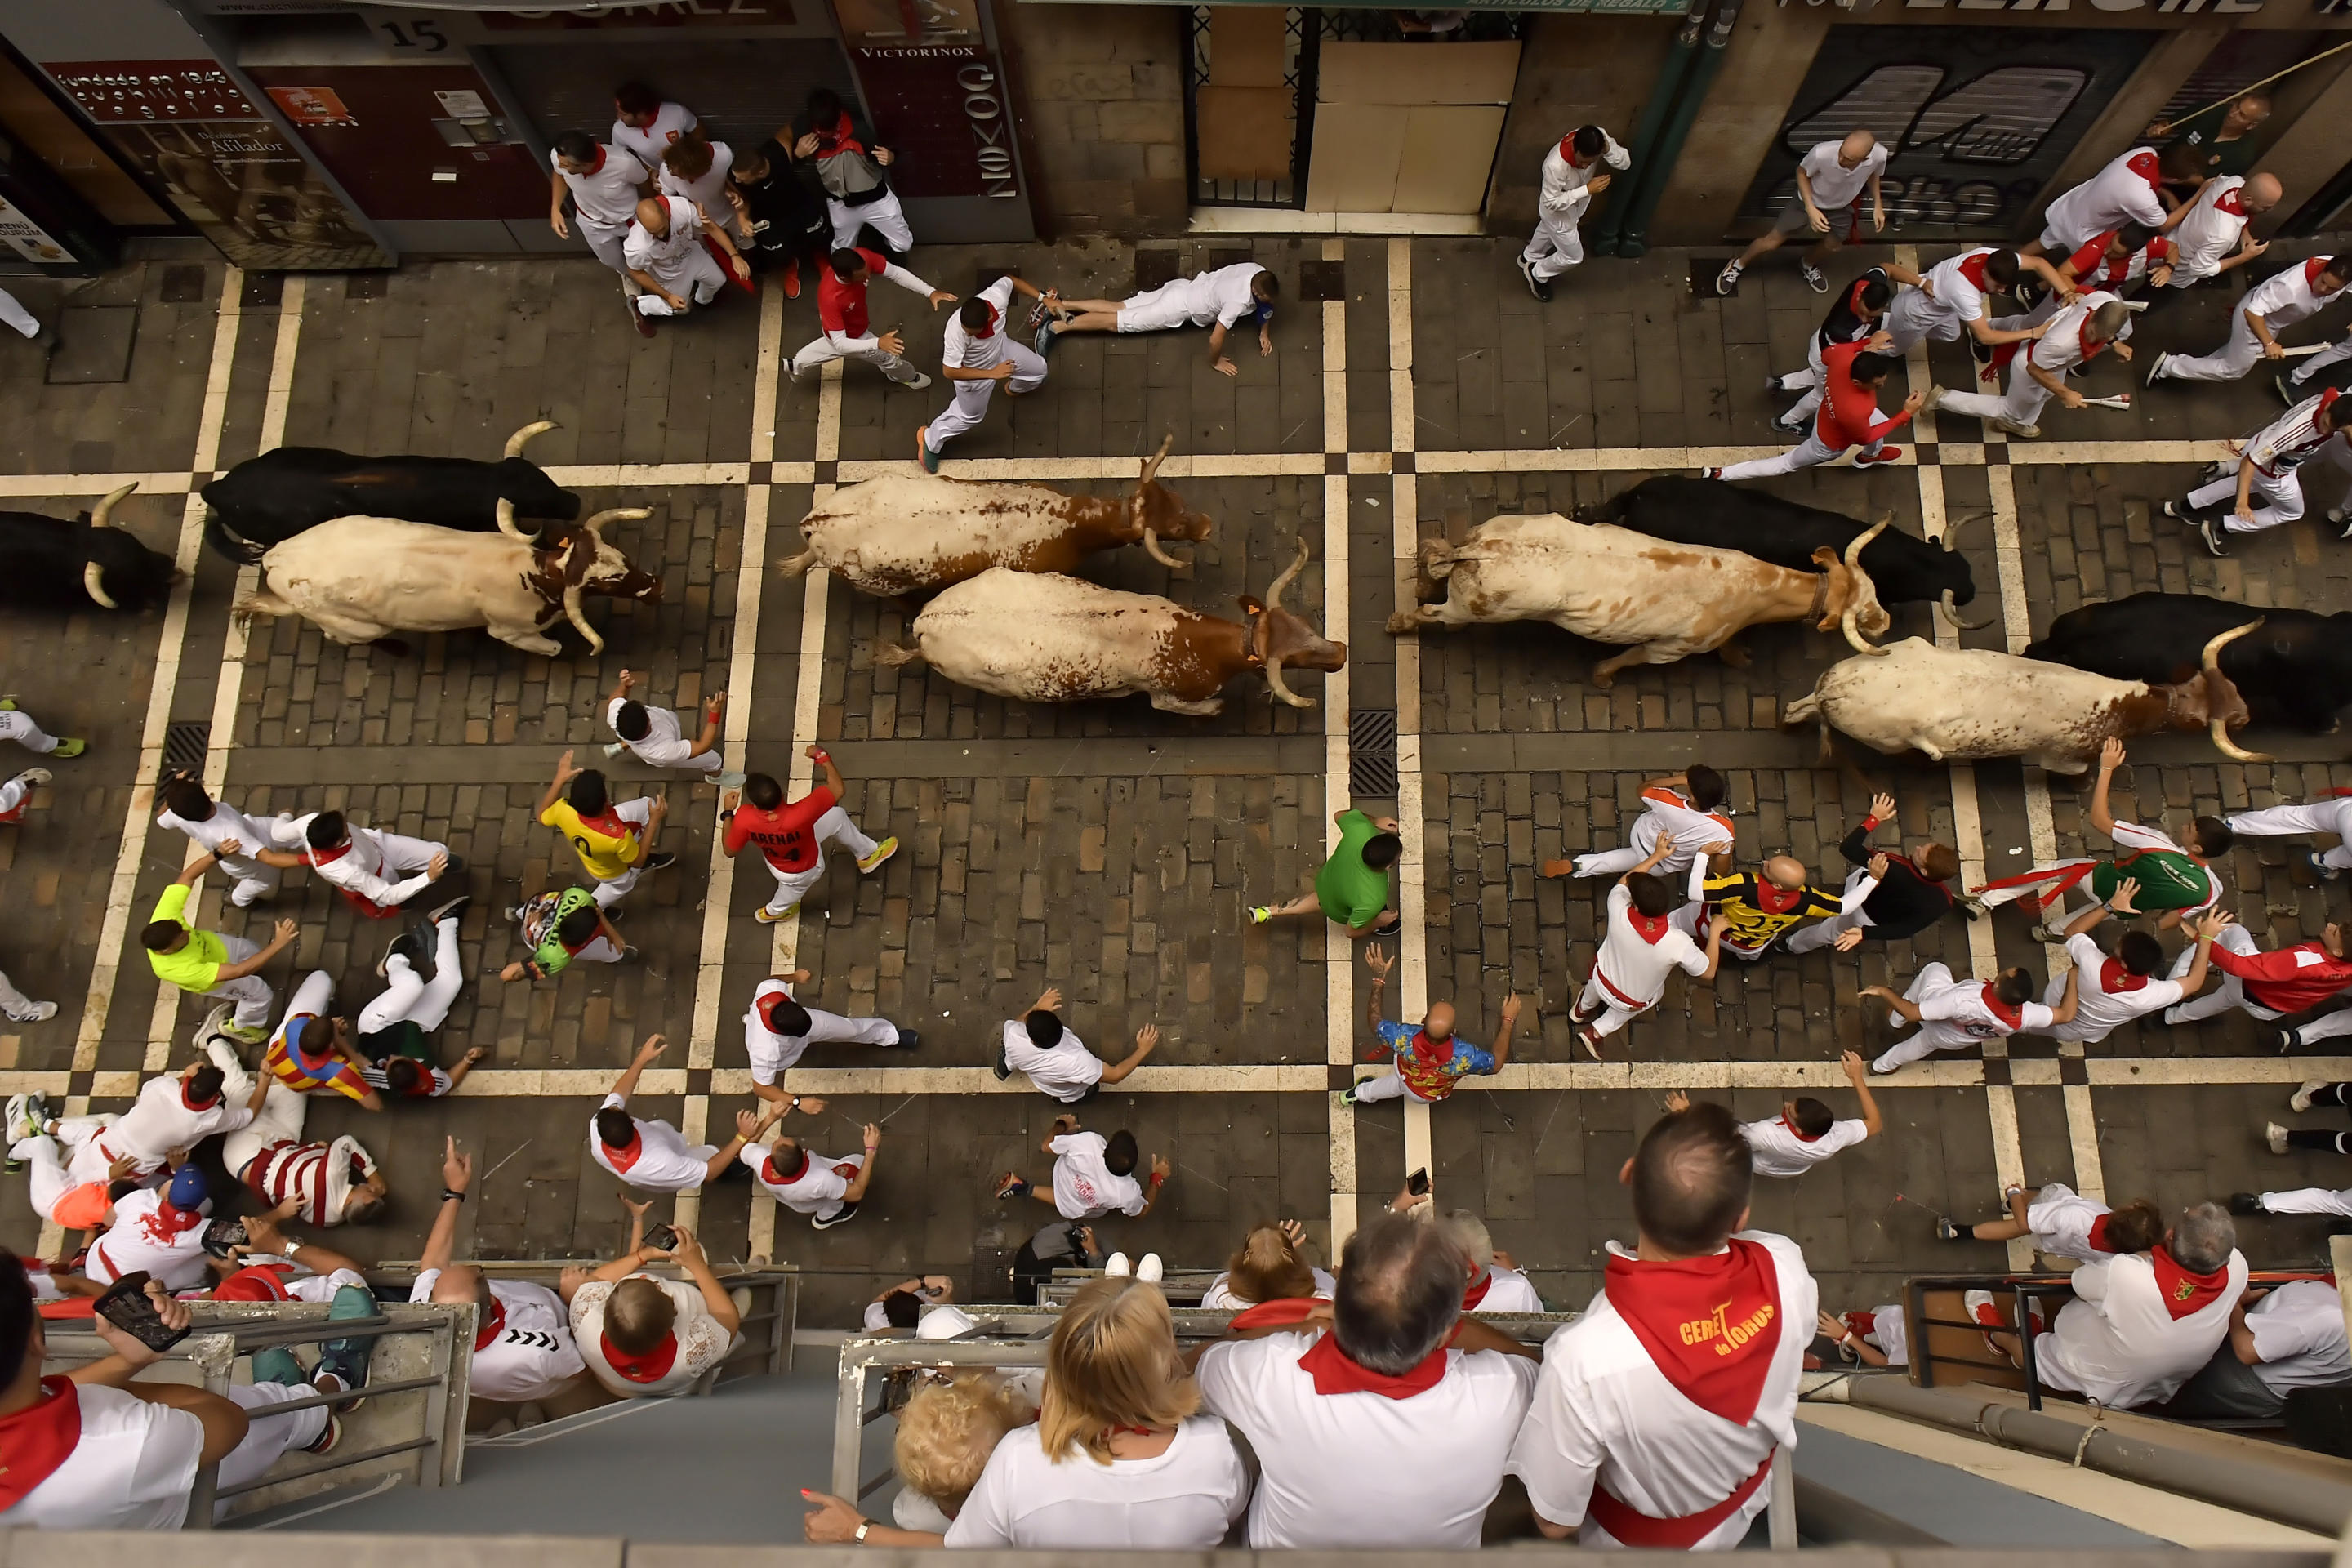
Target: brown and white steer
column 917, row 533
column 363, row 578
column 1613, row 585
column 1968, row 703
column 1045, row 637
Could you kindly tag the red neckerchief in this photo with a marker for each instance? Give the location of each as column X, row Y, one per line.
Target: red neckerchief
column 1710, row 1324
column 2318, row 415
column 626, row 1157
column 2144, row 165
column 1861, row 1324
column 838, row 140
column 767, row 1009
column 1766, row 895
column 1437, row 1052
column 2183, row 1291
column 1283, row 1309
column 493, row 1324
column 195, row 1104
column 1854, row 298
column 1973, row 270
column 2115, row 978
column 2098, row 1237
column 328, row 857
column 1797, row 1132
column 168, row 1222
column 39, row 1438
column 2083, row 343
column 598, row 166
column 768, row 1169
column 254, row 1282
column 609, row 823
column 1335, row 1373
column 987, row 331
column 2012, row 1016
column 650, row 1367
column 1477, row 1291
column 1650, row 929
column 847, row 1170
column 2230, row 202
column 2313, row 269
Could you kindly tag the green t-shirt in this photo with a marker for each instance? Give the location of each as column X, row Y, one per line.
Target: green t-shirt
column 549, row 953
column 2232, row 157
column 1351, row 891
column 197, row 965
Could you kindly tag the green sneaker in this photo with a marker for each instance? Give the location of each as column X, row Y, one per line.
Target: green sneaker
column 1261, row 913
column 70, row 747
column 345, row 1362
column 277, row 1364
column 882, row 851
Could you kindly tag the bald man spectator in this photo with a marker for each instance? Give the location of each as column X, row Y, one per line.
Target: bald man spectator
column 1428, row 1060
column 2222, row 136
column 2141, row 1324
column 1382, row 1419
column 522, row 1342
column 1832, row 178
column 1656, row 1415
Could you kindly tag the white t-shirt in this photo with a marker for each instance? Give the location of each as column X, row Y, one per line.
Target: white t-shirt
column 773, row 1053
column 665, row 1161
column 1219, row 1298
column 710, row 192
column 363, row 869
column 2293, row 440
column 1834, row 185
column 131, row 1471
column 2298, row 1331
column 608, row 195
column 1667, row 810
column 1322, row 1456
column 1777, row 1149
column 667, row 259
column 1509, row 1290
column 227, row 822
column 1184, row 1499
column 2130, row 836
column 1083, row 1186
column 533, row 1355
column 1631, row 971
column 1224, row 295
column 2210, row 230
column 664, row 744
column 1065, row 1069
column 1605, row 1414
column 2116, row 1343
column 138, row 1241
column 2061, row 1219
column 967, row 351
column 2285, row 297
column 702, row 1340
column 2121, row 192
column 2098, row 1011
column 816, row 1190
column 1955, row 293
column 1957, row 1010
column 1891, row 1333
column 671, row 120
column 161, row 1121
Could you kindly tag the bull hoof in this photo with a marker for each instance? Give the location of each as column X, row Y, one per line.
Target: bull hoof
column 393, row 645
column 1602, row 680
column 1403, row 621
column 1733, row 655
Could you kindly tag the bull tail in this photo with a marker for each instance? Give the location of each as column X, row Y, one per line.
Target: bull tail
column 891, row 656
column 1808, row 706
column 261, row 602
column 1437, row 559
column 794, row 566
column 228, row 541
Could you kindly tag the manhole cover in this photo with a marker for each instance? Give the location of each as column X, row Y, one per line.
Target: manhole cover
column 184, row 746
column 1322, row 280
column 1373, row 752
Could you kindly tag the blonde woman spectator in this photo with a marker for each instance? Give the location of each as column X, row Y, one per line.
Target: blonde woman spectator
column 1267, row 1268
column 946, row 1432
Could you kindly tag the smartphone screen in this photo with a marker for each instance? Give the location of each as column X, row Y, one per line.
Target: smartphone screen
column 126, row 1305
column 661, row 1237
column 1418, row 1183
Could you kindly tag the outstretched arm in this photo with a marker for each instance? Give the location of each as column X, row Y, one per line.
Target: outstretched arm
column 626, row 1084
column 1857, row 1074
column 456, row 1175
column 2111, row 757
column 1146, row 1039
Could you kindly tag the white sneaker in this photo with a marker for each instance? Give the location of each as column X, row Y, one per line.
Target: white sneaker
column 615, row 748
column 1116, row 1266
column 1728, row 278
column 38, row 1013
column 2300, row 1100
column 2276, row 1136
column 1150, row 1270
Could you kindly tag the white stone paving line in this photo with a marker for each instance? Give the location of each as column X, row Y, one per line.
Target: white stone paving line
column 1412, row 867
column 1338, row 949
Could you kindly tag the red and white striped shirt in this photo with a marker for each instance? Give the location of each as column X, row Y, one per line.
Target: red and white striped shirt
column 319, row 1176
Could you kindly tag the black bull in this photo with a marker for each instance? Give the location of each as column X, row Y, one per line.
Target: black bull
column 1904, row 570
column 269, row 500
column 2296, row 669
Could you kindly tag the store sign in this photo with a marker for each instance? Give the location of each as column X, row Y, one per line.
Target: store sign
column 313, row 105
column 941, row 110
column 667, row 14
column 29, row 239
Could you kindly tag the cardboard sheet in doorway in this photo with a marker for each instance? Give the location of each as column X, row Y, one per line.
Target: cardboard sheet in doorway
column 1247, row 45
column 1377, row 158
column 1417, row 73
column 1245, row 132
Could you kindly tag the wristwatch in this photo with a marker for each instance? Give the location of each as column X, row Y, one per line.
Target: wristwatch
column 863, row 1526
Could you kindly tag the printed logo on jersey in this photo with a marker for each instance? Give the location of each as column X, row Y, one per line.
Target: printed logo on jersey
column 1727, row 1335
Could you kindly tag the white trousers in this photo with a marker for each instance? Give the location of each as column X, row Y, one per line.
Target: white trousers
column 254, row 998
column 2277, row 497
column 2335, row 355
column 19, row 727
column 1810, row 380
column 2024, row 401
column 1821, row 933
column 1810, row 453
column 699, row 285
column 78, row 1138
column 1928, row 1036
column 44, row 1162
column 832, row 828
column 13, row 1002
column 825, row 346
column 1390, row 1085
column 279, row 1120
column 2230, row 993
column 2228, row 362
column 606, row 242
column 15, row 315
column 970, row 404
column 2309, row 1200
column 2312, row 816
column 1913, row 318
column 1601, row 1010
column 610, row 891
column 408, row 997
column 1555, row 248
column 268, row 1437
column 888, row 218
column 315, row 995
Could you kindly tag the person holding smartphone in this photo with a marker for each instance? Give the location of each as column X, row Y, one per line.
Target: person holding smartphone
column 644, row 1337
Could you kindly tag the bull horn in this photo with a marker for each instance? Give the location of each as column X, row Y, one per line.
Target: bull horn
column 572, row 613
column 2211, row 658
column 1151, row 548
column 1854, row 548
column 1952, row 528
column 521, row 438
column 94, row 582
column 1952, row 613
column 1275, row 589
column 2230, row 749
column 507, row 523
column 102, row 514
column 1282, row 687
column 1151, row 464
column 1847, row 624
column 595, row 525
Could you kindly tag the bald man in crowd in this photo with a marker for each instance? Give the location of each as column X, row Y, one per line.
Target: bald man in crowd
column 1832, row 178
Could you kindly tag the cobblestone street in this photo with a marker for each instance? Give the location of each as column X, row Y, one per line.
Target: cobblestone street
column 1113, row 849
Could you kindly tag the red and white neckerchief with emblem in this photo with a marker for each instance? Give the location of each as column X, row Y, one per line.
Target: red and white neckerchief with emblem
column 626, row 1157
column 2011, row 1017
column 1711, row 1324
column 650, row 1367
column 2184, row 1292
column 2114, row 979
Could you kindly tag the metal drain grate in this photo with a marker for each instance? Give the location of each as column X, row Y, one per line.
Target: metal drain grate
column 184, row 746
column 1372, row 753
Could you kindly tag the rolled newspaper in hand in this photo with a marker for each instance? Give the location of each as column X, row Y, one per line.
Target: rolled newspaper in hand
column 2121, row 400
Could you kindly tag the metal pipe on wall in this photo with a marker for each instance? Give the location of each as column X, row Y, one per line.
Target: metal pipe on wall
column 1664, row 93
column 1634, row 239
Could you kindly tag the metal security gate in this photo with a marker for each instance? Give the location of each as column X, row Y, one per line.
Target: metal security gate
column 1249, row 95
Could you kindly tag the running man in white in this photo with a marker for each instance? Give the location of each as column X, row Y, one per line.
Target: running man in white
column 188, row 809
column 1831, row 178
column 656, row 737
column 2130, row 189
column 2331, row 814
column 18, row 725
column 2270, row 468
column 2289, row 385
column 1807, row 1131
column 1093, row 1176
column 1643, row 947
column 1687, row 806
column 825, row 1189
column 1219, row 300
column 651, row 1154
column 977, row 351
column 407, row 996
column 2062, row 1223
column 376, row 871
column 2111, row 992
column 1953, row 1015
column 777, row 1029
column 2075, row 336
column 2215, row 221
column 1574, row 172
column 667, row 259
column 2269, row 308
column 1952, row 296
column 605, row 183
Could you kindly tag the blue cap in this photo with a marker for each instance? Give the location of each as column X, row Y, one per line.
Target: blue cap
column 187, row 1191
